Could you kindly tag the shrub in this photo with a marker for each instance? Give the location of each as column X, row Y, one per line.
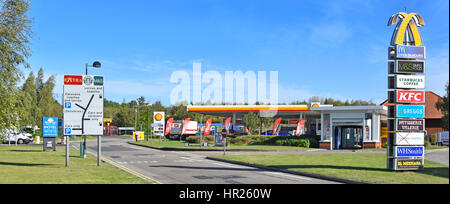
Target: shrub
column 196, row 139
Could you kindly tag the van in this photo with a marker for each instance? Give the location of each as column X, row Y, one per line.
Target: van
column 12, row 135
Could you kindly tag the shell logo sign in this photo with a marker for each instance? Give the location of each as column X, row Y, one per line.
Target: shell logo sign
column 158, row 117
column 315, row 105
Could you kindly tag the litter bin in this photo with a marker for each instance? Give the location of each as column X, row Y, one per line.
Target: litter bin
column 82, row 150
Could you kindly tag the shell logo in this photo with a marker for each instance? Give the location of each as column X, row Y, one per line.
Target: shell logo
column 158, row 117
column 315, row 105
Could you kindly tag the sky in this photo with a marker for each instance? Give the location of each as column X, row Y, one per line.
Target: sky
column 323, row 48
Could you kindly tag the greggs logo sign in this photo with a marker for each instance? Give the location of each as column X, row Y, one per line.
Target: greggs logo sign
column 406, row 23
column 73, row 80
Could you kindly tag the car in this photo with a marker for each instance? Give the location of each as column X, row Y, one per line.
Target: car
column 12, row 135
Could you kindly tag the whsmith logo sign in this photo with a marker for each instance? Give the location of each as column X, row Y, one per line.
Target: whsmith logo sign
column 409, row 151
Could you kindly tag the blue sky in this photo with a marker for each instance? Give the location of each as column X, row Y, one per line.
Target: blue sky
column 320, row 48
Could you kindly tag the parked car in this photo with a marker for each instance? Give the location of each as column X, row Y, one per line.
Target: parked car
column 12, row 135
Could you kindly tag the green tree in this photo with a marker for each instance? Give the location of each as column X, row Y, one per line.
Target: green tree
column 29, row 98
column 442, row 105
column 252, row 121
column 15, row 32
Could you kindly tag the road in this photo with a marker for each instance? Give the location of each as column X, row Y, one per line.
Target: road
column 439, row 156
column 187, row 167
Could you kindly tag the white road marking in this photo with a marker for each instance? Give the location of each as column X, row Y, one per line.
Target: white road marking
column 287, row 175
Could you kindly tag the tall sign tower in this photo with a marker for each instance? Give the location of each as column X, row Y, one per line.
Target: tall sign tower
column 406, row 84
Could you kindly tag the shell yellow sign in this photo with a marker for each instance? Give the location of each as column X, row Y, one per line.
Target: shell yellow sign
column 158, row 117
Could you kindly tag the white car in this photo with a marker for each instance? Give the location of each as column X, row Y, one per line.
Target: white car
column 12, row 135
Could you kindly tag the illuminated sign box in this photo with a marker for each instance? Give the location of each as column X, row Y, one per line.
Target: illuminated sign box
column 410, row 111
column 407, row 67
column 409, row 151
column 407, row 124
column 408, row 164
column 404, row 96
column 406, row 82
column 409, row 138
column 407, row 52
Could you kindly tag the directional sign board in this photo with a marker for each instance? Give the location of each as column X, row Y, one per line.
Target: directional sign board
column 83, row 105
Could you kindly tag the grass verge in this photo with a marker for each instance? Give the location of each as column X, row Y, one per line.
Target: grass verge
column 30, row 165
column 369, row 168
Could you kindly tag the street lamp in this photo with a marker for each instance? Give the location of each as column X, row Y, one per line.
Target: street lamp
column 96, row 64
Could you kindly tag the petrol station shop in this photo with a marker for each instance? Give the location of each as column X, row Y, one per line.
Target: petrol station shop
column 341, row 127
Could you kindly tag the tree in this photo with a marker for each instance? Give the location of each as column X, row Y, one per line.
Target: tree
column 15, row 32
column 29, row 98
column 252, row 121
column 442, row 105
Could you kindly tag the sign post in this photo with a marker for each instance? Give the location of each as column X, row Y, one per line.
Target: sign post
column 83, row 108
column 406, row 126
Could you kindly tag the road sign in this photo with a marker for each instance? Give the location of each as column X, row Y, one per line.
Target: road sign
column 49, row 127
column 83, row 105
column 407, row 67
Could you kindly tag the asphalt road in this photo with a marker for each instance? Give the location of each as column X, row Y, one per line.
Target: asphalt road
column 187, row 167
column 439, row 156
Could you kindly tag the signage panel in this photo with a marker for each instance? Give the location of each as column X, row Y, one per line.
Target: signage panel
column 409, row 138
column 410, row 125
column 410, row 52
column 159, row 122
column 403, row 96
column 410, row 111
column 409, row 164
column 83, row 105
column 50, row 127
column 409, row 151
column 409, row 82
column 407, row 67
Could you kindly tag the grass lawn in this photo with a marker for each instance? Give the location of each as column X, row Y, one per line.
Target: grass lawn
column 29, row 165
column 178, row 144
column 359, row 167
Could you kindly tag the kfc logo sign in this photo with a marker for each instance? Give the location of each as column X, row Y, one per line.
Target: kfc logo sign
column 410, row 96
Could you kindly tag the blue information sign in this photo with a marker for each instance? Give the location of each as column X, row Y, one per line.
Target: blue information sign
column 411, row 151
column 410, row 52
column 410, row 111
column 50, row 127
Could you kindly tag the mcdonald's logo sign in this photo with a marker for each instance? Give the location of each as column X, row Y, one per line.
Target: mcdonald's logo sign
column 407, row 31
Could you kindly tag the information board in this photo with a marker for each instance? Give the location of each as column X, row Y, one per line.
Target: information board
column 83, row 105
column 49, row 127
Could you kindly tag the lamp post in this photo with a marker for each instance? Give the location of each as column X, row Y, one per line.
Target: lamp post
column 96, row 64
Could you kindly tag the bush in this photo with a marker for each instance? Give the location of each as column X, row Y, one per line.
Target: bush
column 196, row 139
column 427, row 143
